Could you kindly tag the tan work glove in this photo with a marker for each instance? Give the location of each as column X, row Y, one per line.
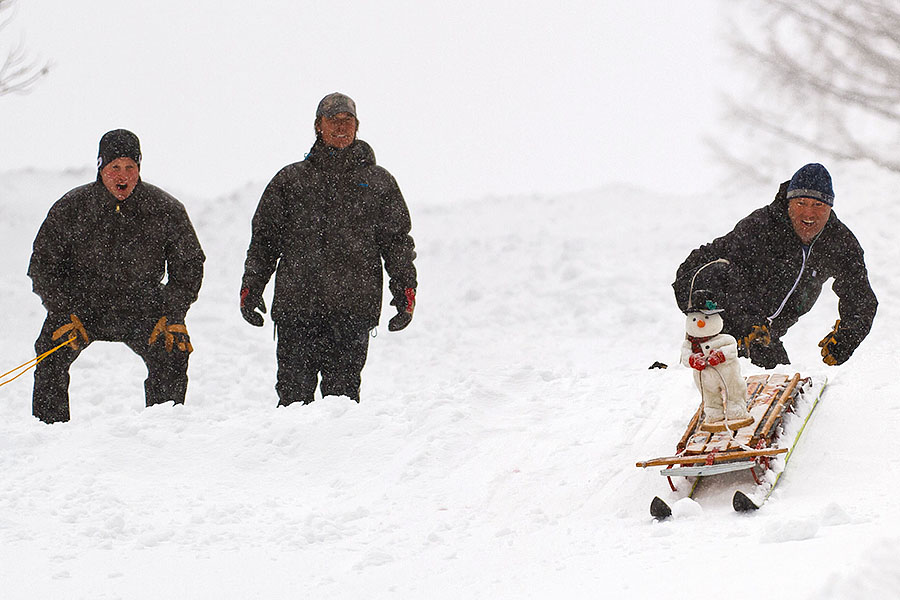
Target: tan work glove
column 830, row 353
column 758, row 335
column 174, row 335
column 74, row 329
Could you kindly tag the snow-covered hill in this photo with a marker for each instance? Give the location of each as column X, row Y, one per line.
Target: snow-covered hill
column 493, row 453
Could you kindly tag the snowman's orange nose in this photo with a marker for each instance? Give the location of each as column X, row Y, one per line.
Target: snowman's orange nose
column 701, row 323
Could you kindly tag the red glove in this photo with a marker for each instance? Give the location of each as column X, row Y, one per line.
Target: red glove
column 716, row 358
column 697, row 361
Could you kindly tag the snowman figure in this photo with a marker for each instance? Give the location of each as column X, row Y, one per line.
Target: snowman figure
column 712, row 357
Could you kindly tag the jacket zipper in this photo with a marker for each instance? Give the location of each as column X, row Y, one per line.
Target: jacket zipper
column 806, row 253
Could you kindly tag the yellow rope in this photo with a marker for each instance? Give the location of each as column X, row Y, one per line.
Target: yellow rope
column 33, row 362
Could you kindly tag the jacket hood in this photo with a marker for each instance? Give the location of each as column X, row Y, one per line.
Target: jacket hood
column 357, row 155
column 779, row 205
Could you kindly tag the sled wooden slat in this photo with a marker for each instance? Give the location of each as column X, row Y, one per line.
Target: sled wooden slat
column 697, row 442
column 718, row 445
column 691, row 429
column 772, row 385
column 774, row 415
column 767, row 389
column 767, row 399
column 719, row 442
column 699, row 458
column 755, row 384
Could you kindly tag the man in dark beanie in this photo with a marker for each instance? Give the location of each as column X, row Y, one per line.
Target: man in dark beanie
column 98, row 264
column 119, row 143
column 327, row 226
column 770, row 269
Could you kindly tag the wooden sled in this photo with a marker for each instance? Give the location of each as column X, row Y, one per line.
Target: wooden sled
column 701, row 453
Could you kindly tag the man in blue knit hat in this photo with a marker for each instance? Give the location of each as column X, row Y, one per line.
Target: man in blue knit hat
column 770, row 269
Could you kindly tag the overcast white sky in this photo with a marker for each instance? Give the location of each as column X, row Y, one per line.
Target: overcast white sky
column 459, row 99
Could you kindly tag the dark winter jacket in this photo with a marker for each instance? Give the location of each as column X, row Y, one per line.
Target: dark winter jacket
column 326, row 224
column 100, row 256
column 767, row 260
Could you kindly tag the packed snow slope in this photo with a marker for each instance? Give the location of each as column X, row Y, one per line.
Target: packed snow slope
column 493, row 453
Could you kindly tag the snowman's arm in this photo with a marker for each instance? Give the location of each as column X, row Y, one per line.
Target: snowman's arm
column 686, row 352
column 726, row 343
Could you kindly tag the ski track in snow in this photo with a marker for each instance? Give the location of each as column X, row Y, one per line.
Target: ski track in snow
column 493, row 453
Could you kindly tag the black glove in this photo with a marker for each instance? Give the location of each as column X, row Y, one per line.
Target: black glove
column 405, row 307
column 250, row 301
column 834, row 352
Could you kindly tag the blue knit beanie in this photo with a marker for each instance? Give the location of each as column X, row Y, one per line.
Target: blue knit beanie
column 812, row 181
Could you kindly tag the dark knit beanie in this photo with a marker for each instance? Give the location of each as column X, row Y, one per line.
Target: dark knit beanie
column 118, row 143
column 812, row 181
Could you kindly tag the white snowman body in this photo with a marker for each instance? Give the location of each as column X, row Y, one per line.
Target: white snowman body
column 721, row 385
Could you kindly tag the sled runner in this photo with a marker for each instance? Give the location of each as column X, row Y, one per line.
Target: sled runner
column 753, row 447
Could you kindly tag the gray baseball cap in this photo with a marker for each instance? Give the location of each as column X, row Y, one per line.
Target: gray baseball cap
column 335, row 103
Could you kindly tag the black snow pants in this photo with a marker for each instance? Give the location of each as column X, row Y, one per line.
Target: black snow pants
column 166, row 372
column 335, row 346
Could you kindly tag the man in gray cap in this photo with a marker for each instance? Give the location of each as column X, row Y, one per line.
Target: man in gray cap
column 98, row 264
column 327, row 227
column 770, row 269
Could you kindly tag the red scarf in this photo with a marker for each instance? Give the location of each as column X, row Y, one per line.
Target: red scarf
column 696, row 341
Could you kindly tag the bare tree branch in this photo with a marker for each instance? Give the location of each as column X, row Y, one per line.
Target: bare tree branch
column 18, row 73
column 826, row 77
